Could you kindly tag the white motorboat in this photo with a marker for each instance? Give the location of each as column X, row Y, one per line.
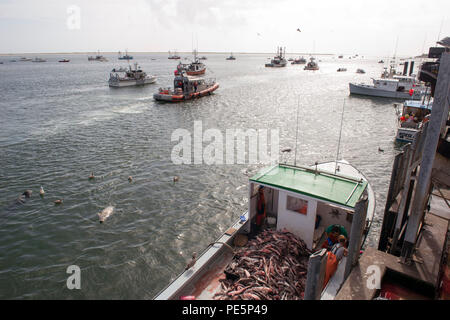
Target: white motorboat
column 399, row 87
column 129, row 77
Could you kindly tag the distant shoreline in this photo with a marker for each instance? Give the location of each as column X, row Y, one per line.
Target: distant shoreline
column 165, row 52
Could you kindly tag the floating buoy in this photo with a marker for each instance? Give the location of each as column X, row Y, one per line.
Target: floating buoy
column 41, row 192
column 176, row 179
column 92, row 177
column 58, row 202
column 130, row 178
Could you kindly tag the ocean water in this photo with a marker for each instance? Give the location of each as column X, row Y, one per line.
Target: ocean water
column 60, row 121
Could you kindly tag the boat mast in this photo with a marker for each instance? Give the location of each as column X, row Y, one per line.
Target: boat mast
column 296, row 133
column 340, row 134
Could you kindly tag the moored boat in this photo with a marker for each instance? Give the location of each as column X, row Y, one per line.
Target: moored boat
column 311, row 65
column 341, row 70
column 231, row 57
column 399, row 87
column 38, row 60
column 195, row 68
column 302, row 203
column 126, row 56
column 129, row 77
column 24, row 59
column 98, row 57
column 186, row 88
column 279, row 60
column 411, row 119
column 174, row 56
column 301, row 60
column 360, row 71
column 64, row 60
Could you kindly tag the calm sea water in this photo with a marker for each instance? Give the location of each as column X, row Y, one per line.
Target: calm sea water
column 60, row 121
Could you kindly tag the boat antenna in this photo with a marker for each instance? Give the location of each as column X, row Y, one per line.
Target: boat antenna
column 296, row 132
column 440, row 29
column 340, row 135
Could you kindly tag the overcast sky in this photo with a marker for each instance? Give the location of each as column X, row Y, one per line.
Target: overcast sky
column 369, row 28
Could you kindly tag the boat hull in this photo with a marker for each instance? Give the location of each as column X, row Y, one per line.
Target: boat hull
column 366, row 90
column 167, row 97
column 131, row 83
column 271, row 65
column 196, row 73
column 405, row 135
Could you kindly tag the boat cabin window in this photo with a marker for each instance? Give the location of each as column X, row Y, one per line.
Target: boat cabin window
column 297, row 205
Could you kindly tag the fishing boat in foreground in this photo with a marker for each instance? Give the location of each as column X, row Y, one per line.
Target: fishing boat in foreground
column 186, row 88
column 279, row 60
column 411, row 119
column 301, row 203
column 399, row 87
column 312, row 65
column 129, row 77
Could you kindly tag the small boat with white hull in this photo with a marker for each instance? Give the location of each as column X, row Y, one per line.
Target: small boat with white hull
column 129, row 77
column 399, row 87
column 279, row 60
column 186, row 88
column 24, row 59
column 302, row 202
column 411, row 119
column 311, row 65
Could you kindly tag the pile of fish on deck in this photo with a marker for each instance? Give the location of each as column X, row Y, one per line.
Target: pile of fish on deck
column 272, row 266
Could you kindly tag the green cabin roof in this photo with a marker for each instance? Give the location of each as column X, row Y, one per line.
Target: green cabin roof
column 321, row 185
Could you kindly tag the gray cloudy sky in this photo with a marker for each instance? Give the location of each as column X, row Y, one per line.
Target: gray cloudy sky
column 341, row 26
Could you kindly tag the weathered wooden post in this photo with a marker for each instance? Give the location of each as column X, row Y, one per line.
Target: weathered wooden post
column 316, row 274
column 356, row 233
column 440, row 110
column 387, row 226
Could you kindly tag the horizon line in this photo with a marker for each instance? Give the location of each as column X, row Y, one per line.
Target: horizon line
column 180, row 52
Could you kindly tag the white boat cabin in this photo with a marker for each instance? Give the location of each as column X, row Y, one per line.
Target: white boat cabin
column 306, row 201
